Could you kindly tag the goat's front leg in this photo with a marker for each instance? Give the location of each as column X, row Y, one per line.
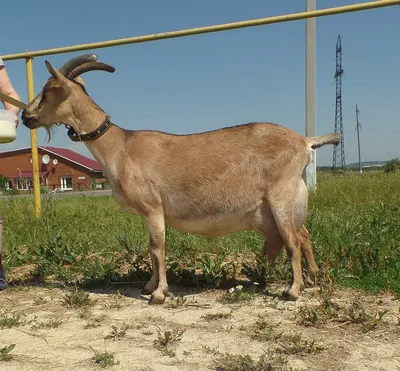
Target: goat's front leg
column 157, row 286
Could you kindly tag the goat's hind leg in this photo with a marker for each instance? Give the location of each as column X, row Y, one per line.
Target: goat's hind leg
column 157, row 286
column 282, row 210
column 300, row 215
column 273, row 244
column 306, row 250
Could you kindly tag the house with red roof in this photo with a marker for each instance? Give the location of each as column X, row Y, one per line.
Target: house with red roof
column 59, row 169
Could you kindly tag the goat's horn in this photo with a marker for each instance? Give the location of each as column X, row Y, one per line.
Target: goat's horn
column 69, row 66
column 90, row 66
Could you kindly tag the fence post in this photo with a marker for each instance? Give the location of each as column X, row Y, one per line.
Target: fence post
column 311, row 169
column 34, row 149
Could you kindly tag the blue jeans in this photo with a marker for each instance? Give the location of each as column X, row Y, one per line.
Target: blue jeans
column 3, row 282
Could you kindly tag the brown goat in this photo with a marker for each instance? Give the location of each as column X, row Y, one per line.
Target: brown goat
column 246, row 177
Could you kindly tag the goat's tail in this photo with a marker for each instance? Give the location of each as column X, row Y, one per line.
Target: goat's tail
column 316, row 142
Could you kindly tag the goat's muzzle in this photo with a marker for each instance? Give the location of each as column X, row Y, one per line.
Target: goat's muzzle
column 28, row 121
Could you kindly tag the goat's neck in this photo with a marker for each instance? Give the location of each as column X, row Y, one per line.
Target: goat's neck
column 87, row 116
column 106, row 148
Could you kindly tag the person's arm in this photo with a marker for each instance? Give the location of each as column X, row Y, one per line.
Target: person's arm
column 7, row 88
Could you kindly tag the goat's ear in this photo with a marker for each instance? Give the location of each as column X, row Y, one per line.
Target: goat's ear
column 80, row 80
column 56, row 75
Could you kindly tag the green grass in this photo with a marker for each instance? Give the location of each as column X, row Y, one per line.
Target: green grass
column 354, row 223
column 5, row 352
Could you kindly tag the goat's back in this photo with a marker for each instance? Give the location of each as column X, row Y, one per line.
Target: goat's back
column 265, row 148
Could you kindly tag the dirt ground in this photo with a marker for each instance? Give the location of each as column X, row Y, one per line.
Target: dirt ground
column 50, row 335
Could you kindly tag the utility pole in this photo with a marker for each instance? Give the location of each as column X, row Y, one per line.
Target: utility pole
column 358, row 127
column 311, row 170
column 338, row 150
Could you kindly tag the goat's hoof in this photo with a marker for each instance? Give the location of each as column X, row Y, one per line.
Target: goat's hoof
column 309, row 282
column 157, row 299
column 290, row 295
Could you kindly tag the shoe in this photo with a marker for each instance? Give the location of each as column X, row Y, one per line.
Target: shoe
column 3, row 282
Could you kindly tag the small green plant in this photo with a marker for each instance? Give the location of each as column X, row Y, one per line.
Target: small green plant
column 135, row 256
column 115, row 303
column 309, row 316
column 210, row 350
column 264, row 332
column 10, row 321
column 267, row 362
column 52, row 323
column 166, row 341
column 216, row 316
column 356, row 313
column 5, row 352
column 259, row 271
column 237, row 294
column 214, row 269
column 104, row 359
column 177, row 301
column 312, row 316
column 117, row 333
column 39, row 301
column 92, row 321
column 77, row 298
column 372, row 323
column 294, row 344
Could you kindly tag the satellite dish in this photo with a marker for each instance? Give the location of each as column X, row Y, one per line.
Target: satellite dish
column 46, row 159
column 55, row 161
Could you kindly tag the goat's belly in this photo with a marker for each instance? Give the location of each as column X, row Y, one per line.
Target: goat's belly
column 212, row 226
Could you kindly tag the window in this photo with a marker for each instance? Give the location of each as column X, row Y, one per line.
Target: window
column 9, row 185
column 66, row 183
column 23, row 184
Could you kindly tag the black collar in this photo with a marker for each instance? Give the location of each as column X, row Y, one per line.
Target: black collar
column 75, row 137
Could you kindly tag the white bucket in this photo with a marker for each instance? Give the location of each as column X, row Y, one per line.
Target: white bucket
column 8, row 129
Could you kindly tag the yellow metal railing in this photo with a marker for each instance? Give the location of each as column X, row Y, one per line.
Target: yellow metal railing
column 28, row 56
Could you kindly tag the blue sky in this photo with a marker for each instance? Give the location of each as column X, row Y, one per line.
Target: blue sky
column 204, row 82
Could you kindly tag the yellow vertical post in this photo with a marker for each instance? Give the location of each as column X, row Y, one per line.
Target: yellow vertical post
column 34, row 149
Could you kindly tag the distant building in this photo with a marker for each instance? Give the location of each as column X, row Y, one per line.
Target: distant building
column 59, row 169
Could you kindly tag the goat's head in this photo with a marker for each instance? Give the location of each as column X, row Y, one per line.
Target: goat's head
column 63, row 92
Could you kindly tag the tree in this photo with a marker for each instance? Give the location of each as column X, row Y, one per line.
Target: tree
column 3, row 183
column 392, row 166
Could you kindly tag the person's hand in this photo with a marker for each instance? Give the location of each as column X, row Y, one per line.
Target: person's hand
column 16, row 120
